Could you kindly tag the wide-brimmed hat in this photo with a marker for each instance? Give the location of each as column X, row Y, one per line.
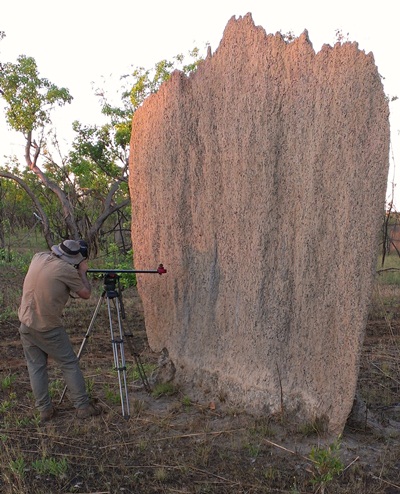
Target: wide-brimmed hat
column 69, row 250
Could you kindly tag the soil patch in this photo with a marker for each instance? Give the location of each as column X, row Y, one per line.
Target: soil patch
column 173, row 445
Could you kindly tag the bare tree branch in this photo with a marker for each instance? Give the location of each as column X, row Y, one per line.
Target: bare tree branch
column 65, row 204
column 45, row 221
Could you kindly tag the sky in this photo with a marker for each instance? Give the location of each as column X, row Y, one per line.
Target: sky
column 79, row 43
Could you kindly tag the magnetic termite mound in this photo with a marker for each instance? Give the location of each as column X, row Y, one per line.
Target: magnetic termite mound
column 259, row 181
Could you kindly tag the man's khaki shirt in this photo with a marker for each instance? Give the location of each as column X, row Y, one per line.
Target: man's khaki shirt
column 46, row 290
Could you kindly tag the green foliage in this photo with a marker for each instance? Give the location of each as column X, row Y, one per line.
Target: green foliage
column 15, row 205
column 18, row 467
column 17, row 260
column 23, row 421
column 50, row 466
column 55, row 388
column 134, row 374
column 8, row 381
column 111, row 395
column 100, row 153
column 164, row 389
column 29, row 97
column 91, row 182
column 6, row 313
column 94, row 156
column 186, row 401
column 147, row 82
column 326, row 463
column 115, row 259
column 6, row 405
column 90, row 387
column 253, row 450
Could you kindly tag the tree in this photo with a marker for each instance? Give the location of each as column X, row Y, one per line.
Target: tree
column 30, row 100
column 77, row 194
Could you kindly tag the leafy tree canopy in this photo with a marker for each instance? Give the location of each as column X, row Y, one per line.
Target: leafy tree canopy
column 77, row 194
column 29, row 97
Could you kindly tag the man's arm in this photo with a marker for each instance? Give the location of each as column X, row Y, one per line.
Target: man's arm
column 87, row 289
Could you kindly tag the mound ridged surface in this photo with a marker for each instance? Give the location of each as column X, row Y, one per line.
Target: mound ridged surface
column 259, row 181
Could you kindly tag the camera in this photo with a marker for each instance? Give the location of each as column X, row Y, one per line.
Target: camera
column 84, row 248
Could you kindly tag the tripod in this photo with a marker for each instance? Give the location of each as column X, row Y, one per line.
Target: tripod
column 113, row 297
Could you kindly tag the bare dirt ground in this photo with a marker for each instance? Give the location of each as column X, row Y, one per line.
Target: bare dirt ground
column 172, row 445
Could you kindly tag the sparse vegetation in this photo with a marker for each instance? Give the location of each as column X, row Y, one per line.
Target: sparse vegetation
column 173, row 444
column 164, row 389
column 389, row 274
column 8, row 381
column 326, row 464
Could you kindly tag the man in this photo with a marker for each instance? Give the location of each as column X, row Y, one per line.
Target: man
column 51, row 277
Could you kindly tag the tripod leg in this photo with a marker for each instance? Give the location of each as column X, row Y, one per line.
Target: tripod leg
column 135, row 355
column 139, row 365
column 117, row 342
column 85, row 339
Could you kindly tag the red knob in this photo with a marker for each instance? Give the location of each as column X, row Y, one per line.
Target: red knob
column 161, row 269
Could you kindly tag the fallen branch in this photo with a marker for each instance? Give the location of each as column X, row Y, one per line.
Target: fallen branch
column 379, row 271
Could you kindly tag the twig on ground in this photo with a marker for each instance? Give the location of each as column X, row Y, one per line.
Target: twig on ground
column 385, row 481
column 349, row 465
column 385, row 373
column 288, row 450
column 180, row 436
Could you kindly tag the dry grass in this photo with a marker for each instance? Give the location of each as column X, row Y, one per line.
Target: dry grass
column 171, row 445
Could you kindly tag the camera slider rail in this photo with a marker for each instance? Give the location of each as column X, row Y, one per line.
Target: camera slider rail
column 160, row 270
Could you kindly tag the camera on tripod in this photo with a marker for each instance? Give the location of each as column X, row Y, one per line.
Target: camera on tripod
column 110, row 284
column 84, row 249
column 112, row 296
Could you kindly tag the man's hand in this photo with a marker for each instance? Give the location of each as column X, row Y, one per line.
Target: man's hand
column 87, row 289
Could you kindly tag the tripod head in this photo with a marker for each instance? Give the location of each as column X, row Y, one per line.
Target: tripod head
column 110, row 284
